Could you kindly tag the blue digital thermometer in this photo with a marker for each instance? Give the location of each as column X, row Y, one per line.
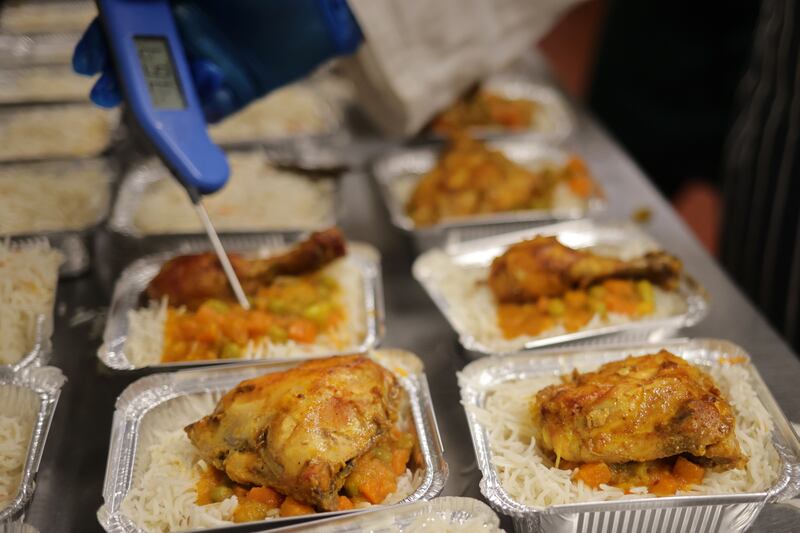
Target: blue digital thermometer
column 151, row 66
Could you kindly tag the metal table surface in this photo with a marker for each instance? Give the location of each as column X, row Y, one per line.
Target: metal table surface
column 71, row 475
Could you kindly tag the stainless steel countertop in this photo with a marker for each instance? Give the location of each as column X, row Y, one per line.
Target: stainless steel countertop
column 71, row 475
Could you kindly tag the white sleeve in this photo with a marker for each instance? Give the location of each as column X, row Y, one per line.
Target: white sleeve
column 419, row 55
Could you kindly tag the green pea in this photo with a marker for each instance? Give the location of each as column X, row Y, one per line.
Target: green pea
column 317, row 312
column 556, row 307
column 220, row 493
column 278, row 306
column 231, row 350
column 278, row 334
column 217, row 305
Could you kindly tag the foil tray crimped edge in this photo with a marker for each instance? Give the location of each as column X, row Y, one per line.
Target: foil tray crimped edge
column 517, row 85
column 400, row 164
column 134, row 278
column 41, row 349
column 731, row 512
column 142, row 175
column 46, row 382
column 402, row 517
column 143, row 395
column 76, row 245
column 582, row 232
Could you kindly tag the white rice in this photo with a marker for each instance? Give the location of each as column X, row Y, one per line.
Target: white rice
column 529, row 478
column 473, row 308
column 38, row 132
column 145, row 342
column 257, row 197
column 286, row 112
column 24, row 16
column 28, row 278
column 14, row 437
column 50, row 196
column 43, row 84
column 167, row 468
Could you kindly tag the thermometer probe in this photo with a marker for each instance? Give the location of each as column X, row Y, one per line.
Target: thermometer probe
column 152, row 69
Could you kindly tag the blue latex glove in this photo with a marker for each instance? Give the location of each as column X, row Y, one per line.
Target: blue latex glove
column 238, row 50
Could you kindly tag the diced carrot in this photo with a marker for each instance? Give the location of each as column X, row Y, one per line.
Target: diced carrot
column 581, row 185
column 239, row 491
column 302, row 330
column 209, row 333
column 345, row 503
column 687, row 471
column 265, row 495
column 249, row 511
column 235, row 329
column 400, row 457
column 258, row 324
column 376, row 489
column 291, row 507
column 594, row 474
column 666, row 486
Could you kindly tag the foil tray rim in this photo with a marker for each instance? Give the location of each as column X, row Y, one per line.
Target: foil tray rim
column 143, row 395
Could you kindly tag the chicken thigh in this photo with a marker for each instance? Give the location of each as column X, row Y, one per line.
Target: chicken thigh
column 544, row 267
column 190, row 280
column 638, row 409
column 301, row 430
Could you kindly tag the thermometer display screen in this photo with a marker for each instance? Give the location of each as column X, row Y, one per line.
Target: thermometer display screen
column 159, row 72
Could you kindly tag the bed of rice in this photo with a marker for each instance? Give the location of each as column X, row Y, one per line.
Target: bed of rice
column 166, row 470
column 53, row 196
column 55, row 131
column 473, row 308
column 290, row 111
column 28, row 278
column 530, row 478
column 440, row 524
column 145, row 340
column 257, row 197
column 14, row 437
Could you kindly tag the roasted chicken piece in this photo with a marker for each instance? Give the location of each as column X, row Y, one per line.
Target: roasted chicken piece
column 543, row 266
column 300, row 431
column 190, row 280
column 638, row 409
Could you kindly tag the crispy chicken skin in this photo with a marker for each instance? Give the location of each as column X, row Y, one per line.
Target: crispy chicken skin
column 300, row 430
column 190, row 280
column 638, row 409
column 544, row 267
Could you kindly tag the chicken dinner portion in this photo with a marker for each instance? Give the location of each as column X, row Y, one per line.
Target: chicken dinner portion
column 190, row 280
column 472, row 179
column 543, row 266
column 303, row 431
column 637, row 409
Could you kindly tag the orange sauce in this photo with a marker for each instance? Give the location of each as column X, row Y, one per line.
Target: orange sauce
column 296, row 308
column 628, row 297
column 373, row 477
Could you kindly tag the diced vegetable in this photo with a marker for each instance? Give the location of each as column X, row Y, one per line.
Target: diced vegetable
column 265, row 495
column 249, row 511
column 220, row 493
column 688, row 472
column 593, row 474
column 667, row 485
column 291, row 507
column 231, row 351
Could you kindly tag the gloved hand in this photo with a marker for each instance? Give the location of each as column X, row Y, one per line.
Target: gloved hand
column 238, row 50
